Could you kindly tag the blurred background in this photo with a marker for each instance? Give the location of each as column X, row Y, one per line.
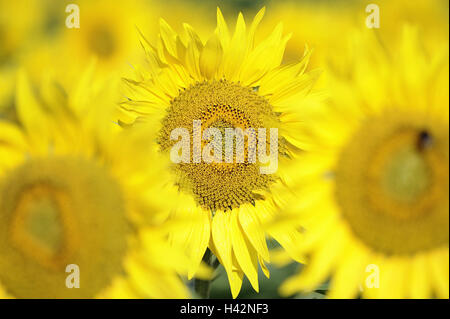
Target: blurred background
column 34, row 36
column 33, row 33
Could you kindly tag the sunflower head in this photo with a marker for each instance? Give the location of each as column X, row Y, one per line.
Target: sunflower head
column 225, row 83
column 380, row 169
column 198, row 95
column 47, row 208
column 106, row 33
column 72, row 194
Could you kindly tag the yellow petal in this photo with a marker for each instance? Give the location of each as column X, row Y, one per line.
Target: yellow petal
column 295, row 89
column 348, row 276
column 211, row 57
column 199, row 242
column 192, row 36
column 290, row 239
column 30, row 111
column 235, row 278
column 265, row 57
column 420, row 286
column 221, row 237
column 392, row 279
column 222, row 30
column 264, row 269
column 194, row 239
column 254, row 26
column 250, row 222
column 237, row 51
column 192, row 60
column 79, row 99
column 245, row 255
column 11, row 136
column 168, row 36
column 438, row 262
column 279, row 77
column 317, row 271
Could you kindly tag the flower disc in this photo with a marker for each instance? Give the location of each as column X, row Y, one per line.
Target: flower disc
column 56, row 212
column 392, row 184
column 220, row 104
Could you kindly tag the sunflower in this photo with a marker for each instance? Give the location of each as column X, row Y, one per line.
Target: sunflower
column 107, row 33
column 429, row 17
column 374, row 191
column 225, row 83
column 73, row 200
column 322, row 24
column 18, row 22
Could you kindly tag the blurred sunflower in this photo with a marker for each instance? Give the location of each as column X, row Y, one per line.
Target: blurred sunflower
column 374, row 192
column 18, row 20
column 322, row 24
column 429, row 16
column 107, row 33
column 228, row 82
column 72, row 191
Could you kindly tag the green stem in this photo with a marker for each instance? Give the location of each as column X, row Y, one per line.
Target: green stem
column 203, row 287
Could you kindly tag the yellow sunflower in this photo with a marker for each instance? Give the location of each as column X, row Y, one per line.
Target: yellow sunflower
column 322, row 24
column 18, row 22
column 107, row 32
column 228, row 82
column 374, row 191
column 74, row 207
column 430, row 17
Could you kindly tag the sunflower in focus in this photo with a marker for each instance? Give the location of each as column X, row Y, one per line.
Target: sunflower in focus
column 374, row 191
column 227, row 82
column 72, row 192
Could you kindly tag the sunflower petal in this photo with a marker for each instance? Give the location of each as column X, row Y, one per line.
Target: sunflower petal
column 29, row 109
column 250, row 222
column 222, row 239
column 245, row 255
column 222, row 30
column 211, row 57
